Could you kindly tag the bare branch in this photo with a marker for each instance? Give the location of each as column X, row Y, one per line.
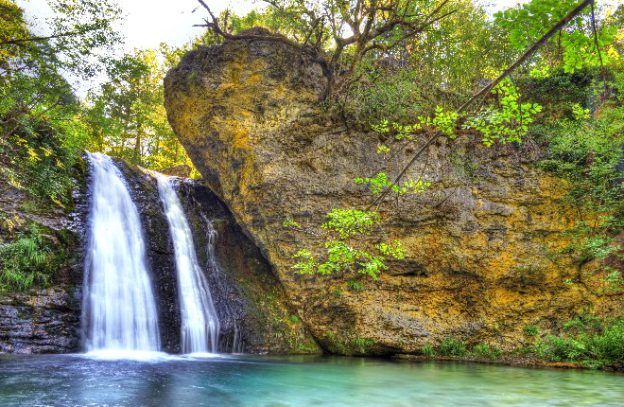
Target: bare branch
column 49, row 37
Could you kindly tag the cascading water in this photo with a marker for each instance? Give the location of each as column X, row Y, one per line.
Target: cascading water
column 119, row 310
column 231, row 342
column 200, row 322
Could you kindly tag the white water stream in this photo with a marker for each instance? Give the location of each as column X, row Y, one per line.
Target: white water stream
column 119, row 309
column 200, row 322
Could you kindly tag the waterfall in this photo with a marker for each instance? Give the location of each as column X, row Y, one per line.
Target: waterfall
column 119, row 310
column 236, row 345
column 200, row 323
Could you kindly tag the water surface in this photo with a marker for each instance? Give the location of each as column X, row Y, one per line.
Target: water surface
column 294, row 381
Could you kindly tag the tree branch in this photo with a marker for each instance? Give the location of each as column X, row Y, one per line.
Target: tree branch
column 528, row 53
column 49, row 37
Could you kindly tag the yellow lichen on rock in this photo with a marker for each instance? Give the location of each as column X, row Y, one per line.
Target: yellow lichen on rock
column 485, row 246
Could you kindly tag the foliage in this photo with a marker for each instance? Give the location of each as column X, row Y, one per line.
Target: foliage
column 355, row 285
column 428, row 350
column 349, row 222
column 126, row 115
column 27, row 261
column 290, row 223
column 345, row 250
column 452, row 347
column 348, row 30
column 362, row 344
column 574, row 47
column 507, row 123
column 504, row 122
column 42, row 134
column 581, row 150
column 588, row 342
column 531, row 330
column 485, row 350
column 380, row 182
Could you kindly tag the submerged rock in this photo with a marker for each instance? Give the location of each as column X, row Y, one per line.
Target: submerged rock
column 484, row 243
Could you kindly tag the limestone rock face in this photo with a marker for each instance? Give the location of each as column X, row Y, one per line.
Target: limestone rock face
column 484, row 243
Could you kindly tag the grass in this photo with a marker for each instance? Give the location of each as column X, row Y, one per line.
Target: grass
column 587, row 341
column 591, row 342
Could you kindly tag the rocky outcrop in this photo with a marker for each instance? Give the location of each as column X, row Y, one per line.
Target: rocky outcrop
column 44, row 320
column 41, row 321
column 485, row 243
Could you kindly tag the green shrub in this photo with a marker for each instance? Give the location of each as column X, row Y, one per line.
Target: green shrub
column 531, row 330
column 486, row 351
column 428, row 350
column 452, row 347
column 586, row 342
column 27, row 261
column 610, row 344
column 559, row 348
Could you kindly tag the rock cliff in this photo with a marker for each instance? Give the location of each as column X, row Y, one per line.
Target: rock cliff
column 485, row 243
column 44, row 320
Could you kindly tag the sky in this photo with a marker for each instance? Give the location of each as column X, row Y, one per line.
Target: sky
column 150, row 22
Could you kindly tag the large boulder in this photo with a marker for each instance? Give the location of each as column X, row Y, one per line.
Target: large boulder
column 484, row 242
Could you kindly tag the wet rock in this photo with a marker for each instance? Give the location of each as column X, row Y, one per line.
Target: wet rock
column 45, row 320
column 40, row 321
column 248, row 298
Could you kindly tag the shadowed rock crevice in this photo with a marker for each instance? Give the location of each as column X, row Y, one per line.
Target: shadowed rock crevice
column 249, row 300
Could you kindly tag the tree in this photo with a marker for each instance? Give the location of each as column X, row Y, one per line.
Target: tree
column 127, row 113
column 39, row 126
column 346, row 29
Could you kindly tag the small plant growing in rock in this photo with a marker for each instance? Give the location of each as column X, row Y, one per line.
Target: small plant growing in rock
column 290, row 223
column 362, row 344
column 355, row 285
column 294, row 319
column 531, row 330
column 345, row 250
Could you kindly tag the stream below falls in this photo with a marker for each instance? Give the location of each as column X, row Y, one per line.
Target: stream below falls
column 234, row 380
